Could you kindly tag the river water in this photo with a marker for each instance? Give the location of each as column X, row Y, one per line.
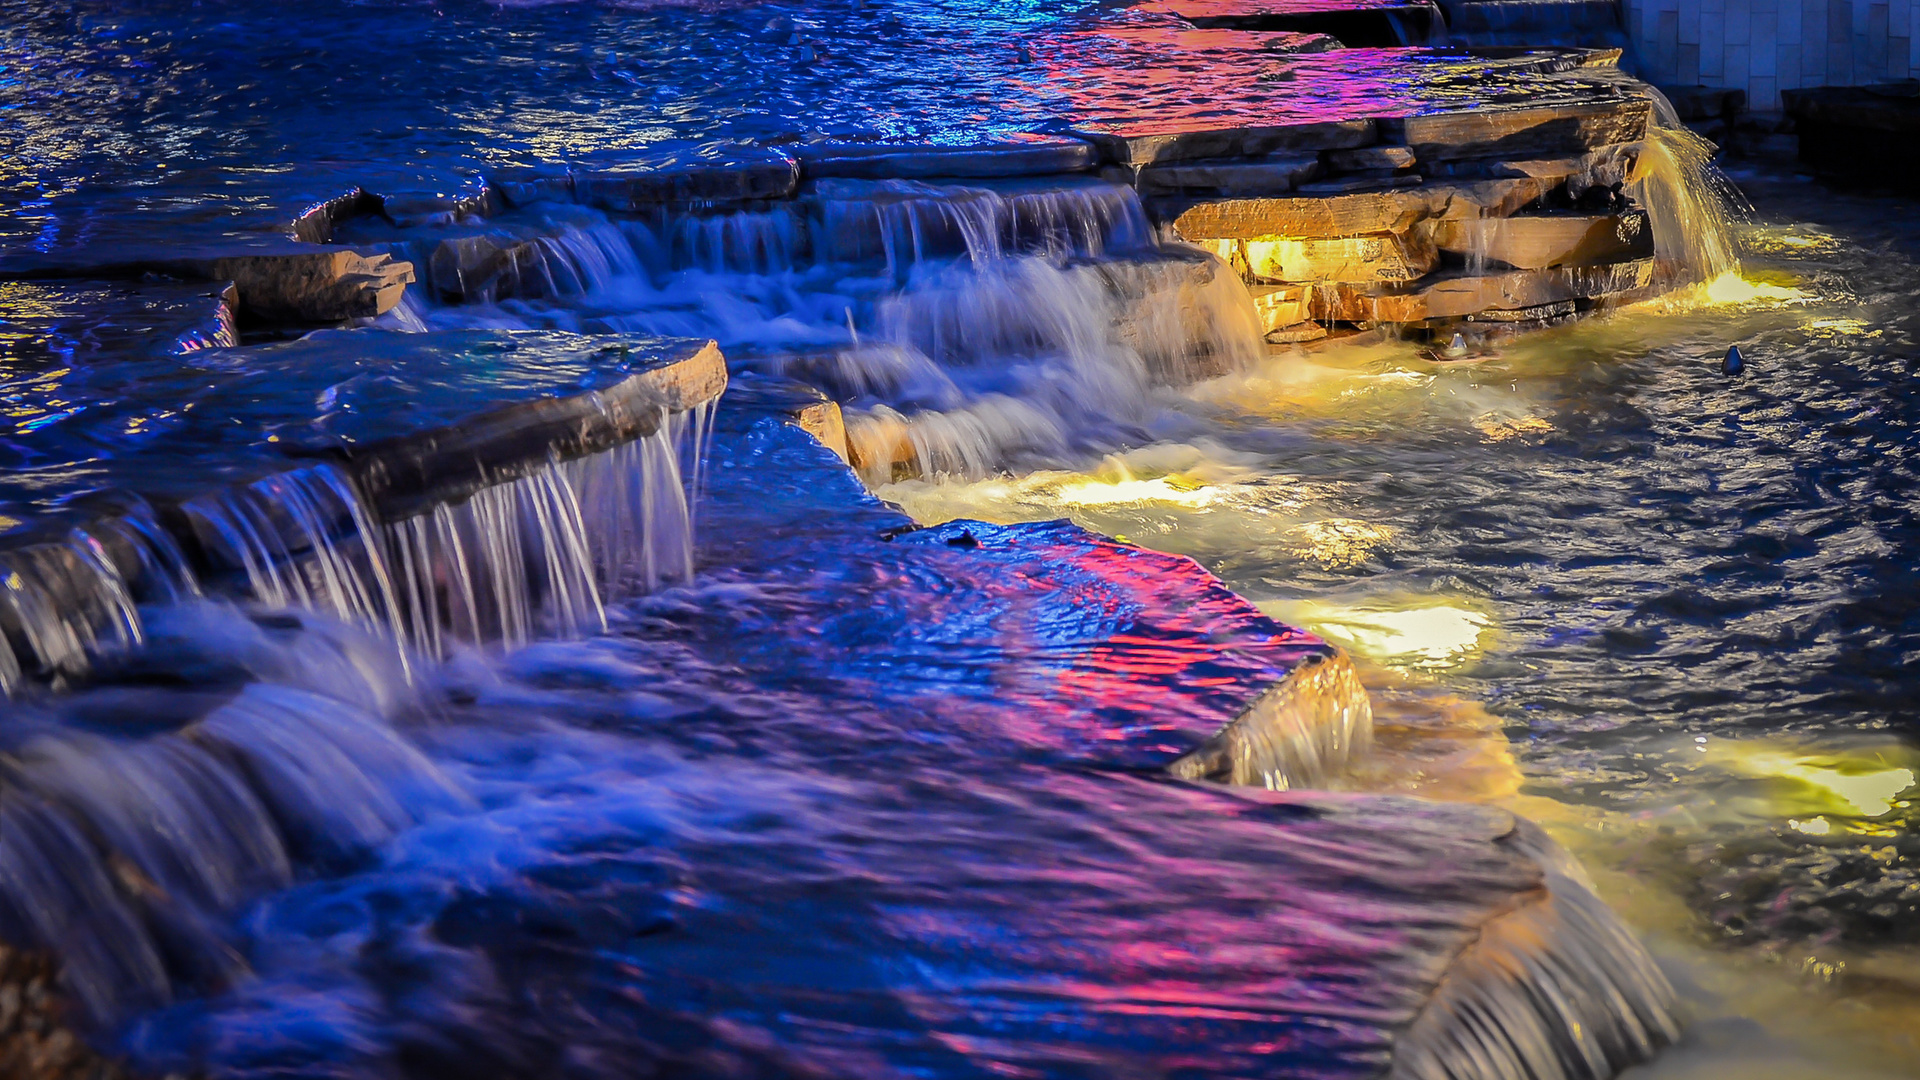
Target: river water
column 1659, row 608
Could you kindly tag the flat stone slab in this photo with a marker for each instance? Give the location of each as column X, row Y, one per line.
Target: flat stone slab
column 1275, row 174
column 1011, row 155
column 708, row 174
column 277, row 280
column 1470, row 294
column 1536, row 241
column 428, row 409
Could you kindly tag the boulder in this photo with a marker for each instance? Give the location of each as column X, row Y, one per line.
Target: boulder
column 473, row 268
column 1014, row 155
column 1460, row 295
column 1862, row 136
column 1372, row 258
column 1536, row 241
column 329, row 285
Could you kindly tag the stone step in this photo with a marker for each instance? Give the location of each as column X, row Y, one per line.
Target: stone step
column 1457, row 296
column 1536, row 241
column 1488, row 189
column 277, row 280
column 1372, row 258
column 1565, row 127
column 1013, row 155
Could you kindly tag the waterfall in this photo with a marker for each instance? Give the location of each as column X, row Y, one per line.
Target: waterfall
column 1556, row 988
column 122, row 856
column 1689, row 202
column 512, row 561
column 62, row 602
column 1302, row 733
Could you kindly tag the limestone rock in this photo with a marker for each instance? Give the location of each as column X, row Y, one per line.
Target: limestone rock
column 1536, row 241
column 532, row 184
column 742, row 174
column 1369, row 157
column 1279, row 306
column 315, row 225
column 1469, row 294
column 1298, row 334
column 1273, row 175
column 1373, row 258
column 1019, row 155
column 1522, row 131
column 329, row 285
column 471, row 268
column 1146, row 142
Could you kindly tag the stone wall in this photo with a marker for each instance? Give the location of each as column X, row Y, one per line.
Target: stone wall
column 1766, row 46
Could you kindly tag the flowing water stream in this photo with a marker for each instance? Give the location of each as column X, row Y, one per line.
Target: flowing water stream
column 550, row 782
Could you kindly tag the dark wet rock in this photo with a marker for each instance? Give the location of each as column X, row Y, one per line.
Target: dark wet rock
column 1146, row 142
column 1021, row 155
column 1365, row 180
column 37, row 1041
column 1862, row 136
column 1275, row 174
column 477, row 268
column 316, row 224
column 532, row 184
column 277, row 281
column 734, row 174
column 1369, row 157
column 1532, row 131
column 1460, row 295
column 1696, row 103
column 1536, row 241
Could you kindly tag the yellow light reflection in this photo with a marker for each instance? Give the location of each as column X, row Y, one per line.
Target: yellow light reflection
column 1816, row 827
column 1865, row 788
column 1501, row 428
column 1161, row 489
column 1419, row 634
column 1731, row 288
column 1338, row 543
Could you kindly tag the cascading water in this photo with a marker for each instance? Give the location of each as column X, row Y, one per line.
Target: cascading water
column 1690, row 203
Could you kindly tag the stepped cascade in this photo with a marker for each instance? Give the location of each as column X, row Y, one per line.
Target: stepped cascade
column 638, row 563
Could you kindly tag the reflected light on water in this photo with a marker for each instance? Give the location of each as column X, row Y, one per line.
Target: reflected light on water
column 1430, row 636
column 1866, row 788
column 1160, row 489
column 1731, row 288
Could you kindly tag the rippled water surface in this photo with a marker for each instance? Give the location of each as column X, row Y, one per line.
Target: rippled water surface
column 1685, row 598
